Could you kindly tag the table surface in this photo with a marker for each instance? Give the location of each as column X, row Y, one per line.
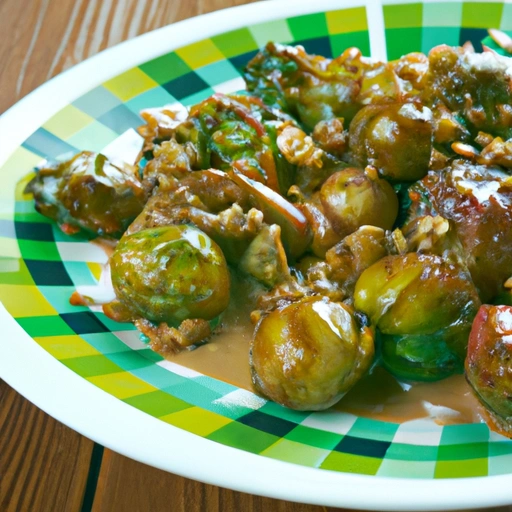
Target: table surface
column 45, row 466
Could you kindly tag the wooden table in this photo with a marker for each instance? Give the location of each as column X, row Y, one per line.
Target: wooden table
column 45, row 466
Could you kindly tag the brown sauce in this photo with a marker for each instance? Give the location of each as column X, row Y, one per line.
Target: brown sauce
column 380, row 396
column 226, row 356
column 377, row 396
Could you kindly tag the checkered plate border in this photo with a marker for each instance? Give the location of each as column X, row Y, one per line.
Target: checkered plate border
column 40, row 266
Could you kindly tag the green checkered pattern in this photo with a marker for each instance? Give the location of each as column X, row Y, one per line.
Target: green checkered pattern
column 421, row 26
column 40, row 266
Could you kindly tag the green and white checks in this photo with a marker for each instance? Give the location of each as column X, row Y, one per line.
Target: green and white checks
column 40, row 266
column 411, row 27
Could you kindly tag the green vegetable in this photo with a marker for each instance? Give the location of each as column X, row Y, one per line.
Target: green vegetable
column 423, row 307
column 308, row 354
column 170, row 274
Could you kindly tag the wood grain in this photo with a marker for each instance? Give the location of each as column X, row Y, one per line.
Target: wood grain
column 128, row 485
column 41, row 38
column 44, row 465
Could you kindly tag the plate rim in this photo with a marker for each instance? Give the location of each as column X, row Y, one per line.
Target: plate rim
column 95, row 414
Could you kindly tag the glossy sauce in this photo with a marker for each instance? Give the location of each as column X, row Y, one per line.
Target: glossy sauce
column 380, row 396
column 377, row 396
column 226, row 356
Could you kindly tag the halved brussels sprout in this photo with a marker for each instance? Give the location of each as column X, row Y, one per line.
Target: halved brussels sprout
column 89, row 192
column 423, row 307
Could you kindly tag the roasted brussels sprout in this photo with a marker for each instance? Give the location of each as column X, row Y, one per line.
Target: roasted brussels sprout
column 224, row 131
column 336, row 277
column 316, row 89
column 311, row 87
column 170, row 274
column 489, row 363
column 394, row 138
column 353, row 198
column 240, row 132
column 89, row 192
column 308, row 354
column 477, row 85
column 477, row 200
column 423, row 307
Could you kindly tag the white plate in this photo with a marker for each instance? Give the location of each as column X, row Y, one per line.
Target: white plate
column 94, row 413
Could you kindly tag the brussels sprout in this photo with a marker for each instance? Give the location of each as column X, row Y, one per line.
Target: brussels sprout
column 423, row 307
column 316, row 89
column 336, row 277
column 224, row 131
column 240, row 132
column 170, row 274
column 353, row 198
column 89, row 192
column 477, row 85
column 308, row 354
column 394, row 138
column 489, row 363
column 311, row 87
column 476, row 199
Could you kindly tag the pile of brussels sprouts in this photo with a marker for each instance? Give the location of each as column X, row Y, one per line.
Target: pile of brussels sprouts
column 370, row 204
